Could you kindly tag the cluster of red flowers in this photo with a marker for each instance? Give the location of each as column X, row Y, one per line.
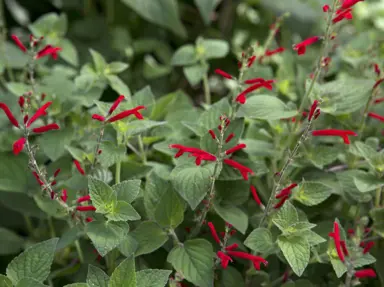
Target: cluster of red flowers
column 48, row 50
column 342, row 252
column 283, row 195
column 227, row 251
column 119, row 116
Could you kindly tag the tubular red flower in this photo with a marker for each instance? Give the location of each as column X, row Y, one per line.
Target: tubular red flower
column 279, row 50
column 363, row 273
column 377, row 69
column 116, row 104
column 124, row 114
column 333, row 132
column 301, row 47
column 57, row 172
column 40, row 112
column 89, row 219
column 232, row 247
column 241, row 168
column 78, row 166
column 212, row 133
column 46, row 128
column 254, row 81
column 368, row 246
column 64, row 195
column 19, row 43
column 336, row 238
column 98, row 117
column 326, row 8
column 86, row 208
column 223, row 74
column 313, row 109
column 48, row 50
column 379, row 100
column 224, row 259
column 241, row 98
column 378, row 82
column 213, row 232
column 349, row 3
column 350, row 231
column 281, row 202
column 53, row 183
column 40, row 182
column 343, row 14
column 235, row 148
column 286, row 191
column 344, row 248
column 198, row 153
column 21, row 102
column 83, row 198
column 231, row 135
column 256, row 196
column 255, row 259
column 18, row 145
column 376, row 116
column 251, row 60
column 9, row 114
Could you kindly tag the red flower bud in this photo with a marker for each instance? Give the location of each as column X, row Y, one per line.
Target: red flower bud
column 40, row 112
column 231, row 135
column 9, row 114
column 48, row 50
column 223, row 74
column 98, row 117
column 57, row 172
column 213, row 232
column 116, row 104
column 46, row 128
column 363, row 273
column 212, row 133
column 256, row 197
column 124, row 114
column 235, row 148
column 83, row 198
column 21, row 102
column 251, row 60
column 18, row 145
column 86, row 208
column 301, row 47
column 64, row 195
column 78, row 166
column 326, row 8
column 18, row 43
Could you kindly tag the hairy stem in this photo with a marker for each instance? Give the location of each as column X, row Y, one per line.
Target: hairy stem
column 97, row 148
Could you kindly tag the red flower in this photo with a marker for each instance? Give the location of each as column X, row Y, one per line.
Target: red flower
column 343, row 14
column 98, row 117
column 232, row 247
column 124, row 114
column 368, row 246
column 21, row 102
column 241, row 98
column 86, row 208
column 231, row 135
column 40, row 112
column 326, row 8
column 344, row 248
column 336, row 238
column 83, row 198
column 78, row 166
column 256, row 197
column 18, row 145
column 281, row 202
column 377, row 69
column 241, row 168
column 198, row 153
column 213, row 232
column 376, row 116
column 301, row 47
column 223, row 74
column 89, row 219
column 46, row 128
column 313, row 109
column 286, row 191
column 9, row 114
column 235, row 148
column 224, row 259
column 256, row 260
column 116, row 104
column 251, row 60
column 363, row 273
column 48, row 50
column 378, row 82
column 254, row 81
column 212, row 133
column 333, row 132
column 64, row 195
column 37, row 178
column 349, row 3
column 18, row 43
column 273, row 52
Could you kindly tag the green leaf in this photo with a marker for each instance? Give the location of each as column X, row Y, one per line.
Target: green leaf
column 106, row 235
column 209, row 119
column 69, row 236
column 50, row 207
column 170, row 210
column 69, row 52
column 128, row 246
column 124, row 274
column 191, row 182
column 312, row 237
column 213, row 49
column 111, row 154
column 232, row 277
column 368, row 153
column 260, row 240
column 164, row 13
column 338, row 266
column 377, row 215
column 53, row 143
column 194, row 259
column 137, row 127
column 30, row 282
column 96, row 277
column 144, row 97
column 321, row 156
column 155, row 189
column 5, row 281
column 195, row 73
column 152, row 277
column 184, row 56
column 286, row 216
column 233, row 215
column 122, row 211
column 35, row 262
column 14, row 173
column 98, row 61
column 234, row 192
column 348, row 187
column 312, row 193
column 367, row 182
column 127, row 190
column 265, row 107
column 298, row 227
column 118, row 85
column 149, row 236
column 102, row 195
column 206, row 8
column 116, row 68
column 296, row 250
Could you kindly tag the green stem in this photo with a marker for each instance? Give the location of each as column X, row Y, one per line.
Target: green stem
column 51, row 227
column 207, row 90
column 28, row 223
column 142, row 150
column 173, row 235
column 79, row 251
column 378, row 196
column 118, row 172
